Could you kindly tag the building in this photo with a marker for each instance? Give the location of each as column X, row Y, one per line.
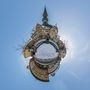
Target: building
column 46, row 50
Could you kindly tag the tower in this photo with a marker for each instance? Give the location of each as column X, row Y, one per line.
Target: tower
column 45, row 17
column 46, row 50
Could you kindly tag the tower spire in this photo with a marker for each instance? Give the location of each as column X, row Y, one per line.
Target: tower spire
column 45, row 17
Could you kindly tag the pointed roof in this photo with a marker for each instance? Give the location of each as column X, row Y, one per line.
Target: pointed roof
column 45, row 14
column 45, row 17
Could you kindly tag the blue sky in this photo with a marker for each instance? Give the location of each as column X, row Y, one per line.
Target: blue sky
column 19, row 17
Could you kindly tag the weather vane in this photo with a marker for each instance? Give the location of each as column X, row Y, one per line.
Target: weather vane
column 46, row 50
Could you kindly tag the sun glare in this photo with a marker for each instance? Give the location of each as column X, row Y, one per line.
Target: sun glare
column 69, row 42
